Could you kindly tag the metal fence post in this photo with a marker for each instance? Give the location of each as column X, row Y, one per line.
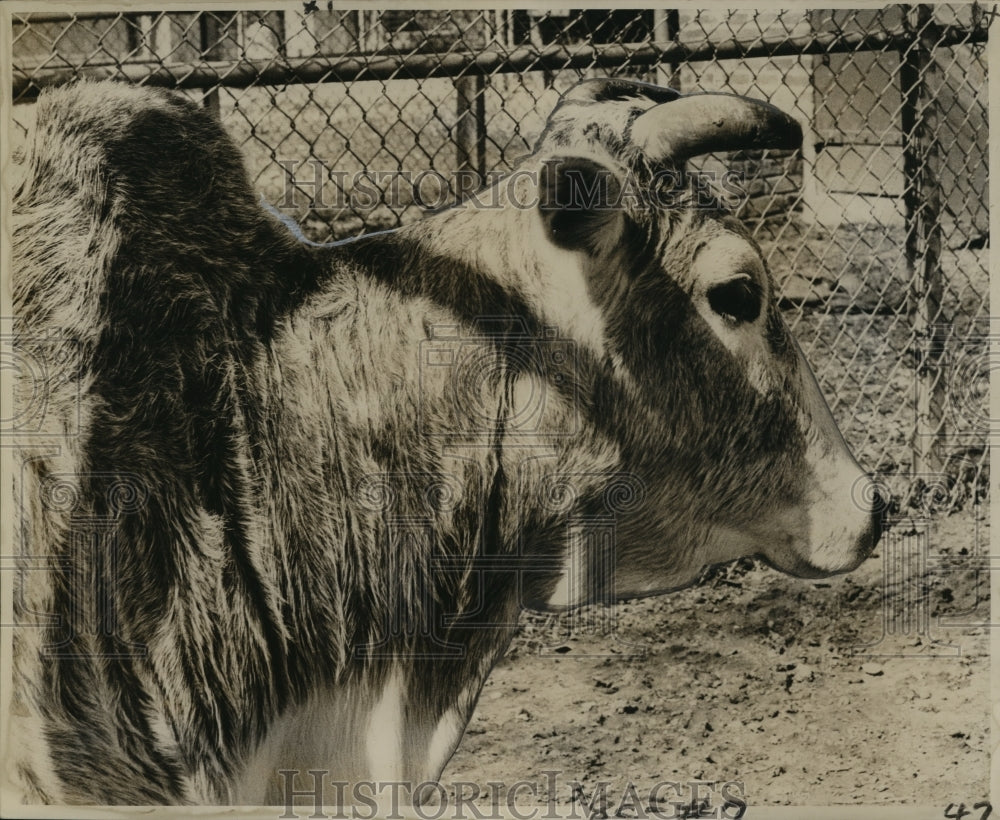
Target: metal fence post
column 666, row 25
column 209, row 38
column 153, row 35
column 922, row 201
column 470, row 126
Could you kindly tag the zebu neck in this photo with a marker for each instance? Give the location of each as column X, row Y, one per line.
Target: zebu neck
column 389, row 526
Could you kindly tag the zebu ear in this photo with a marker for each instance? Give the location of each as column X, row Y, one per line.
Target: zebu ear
column 579, row 200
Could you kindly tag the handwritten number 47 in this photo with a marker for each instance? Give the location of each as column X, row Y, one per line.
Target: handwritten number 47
column 954, row 812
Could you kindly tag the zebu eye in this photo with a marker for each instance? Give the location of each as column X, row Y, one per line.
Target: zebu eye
column 737, row 299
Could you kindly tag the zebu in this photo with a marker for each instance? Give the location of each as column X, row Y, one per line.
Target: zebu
column 283, row 503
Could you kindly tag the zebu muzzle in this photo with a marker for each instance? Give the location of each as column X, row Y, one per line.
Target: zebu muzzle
column 844, row 510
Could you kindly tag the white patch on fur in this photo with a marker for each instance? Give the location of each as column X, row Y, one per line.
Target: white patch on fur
column 344, row 731
column 561, row 596
column 383, row 740
column 572, row 577
column 46, row 497
column 445, row 739
column 563, row 298
column 514, row 251
column 29, row 748
column 840, row 514
column 258, row 782
column 354, row 734
column 527, row 402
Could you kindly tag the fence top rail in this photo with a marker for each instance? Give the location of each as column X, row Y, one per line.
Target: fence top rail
column 29, row 17
column 391, row 65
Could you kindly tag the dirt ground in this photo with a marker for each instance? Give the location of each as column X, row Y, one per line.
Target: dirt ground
column 870, row 688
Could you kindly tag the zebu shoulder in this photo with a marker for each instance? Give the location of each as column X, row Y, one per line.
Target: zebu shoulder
column 149, row 282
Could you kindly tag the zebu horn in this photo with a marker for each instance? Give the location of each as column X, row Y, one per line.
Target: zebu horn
column 702, row 123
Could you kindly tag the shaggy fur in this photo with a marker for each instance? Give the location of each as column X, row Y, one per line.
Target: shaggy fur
column 284, row 501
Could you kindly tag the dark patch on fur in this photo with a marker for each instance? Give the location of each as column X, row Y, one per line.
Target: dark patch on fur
column 188, row 304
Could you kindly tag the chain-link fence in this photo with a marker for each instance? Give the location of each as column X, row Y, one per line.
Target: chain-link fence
column 876, row 230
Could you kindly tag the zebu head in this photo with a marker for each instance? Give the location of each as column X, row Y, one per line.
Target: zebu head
column 725, row 445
